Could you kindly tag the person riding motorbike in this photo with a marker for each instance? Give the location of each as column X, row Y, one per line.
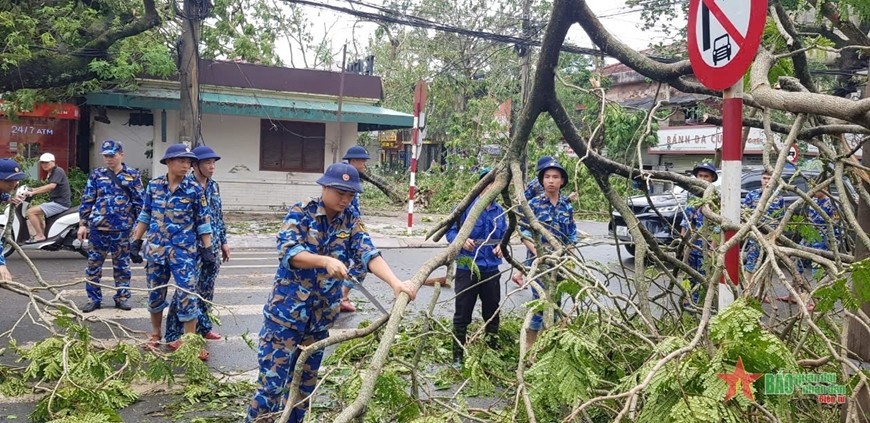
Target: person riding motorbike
column 60, row 198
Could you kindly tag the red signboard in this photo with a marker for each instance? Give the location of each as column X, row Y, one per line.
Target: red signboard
column 48, row 128
column 723, row 39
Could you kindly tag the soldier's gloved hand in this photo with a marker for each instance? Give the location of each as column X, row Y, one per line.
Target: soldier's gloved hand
column 136, row 251
column 207, row 256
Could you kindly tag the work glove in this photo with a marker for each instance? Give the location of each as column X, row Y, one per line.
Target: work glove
column 136, row 252
column 207, row 256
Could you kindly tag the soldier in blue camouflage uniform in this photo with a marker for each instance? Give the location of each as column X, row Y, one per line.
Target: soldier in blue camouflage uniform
column 534, row 187
column 774, row 210
column 203, row 170
column 818, row 222
column 484, row 283
column 555, row 213
column 110, row 205
column 10, row 175
column 319, row 239
column 693, row 222
column 356, row 156
column 174, row 213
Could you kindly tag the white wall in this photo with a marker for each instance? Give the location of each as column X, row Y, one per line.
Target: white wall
column 135, row 139
column 244, row 187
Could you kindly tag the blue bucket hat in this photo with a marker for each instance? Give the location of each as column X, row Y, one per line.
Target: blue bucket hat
column 341, row 176
column 552, row 164
column 10, row 171
column 205, row 152
column 542, row 162
column 356, row 152
column 708, row 167
column 176, row 151
column 111, row 147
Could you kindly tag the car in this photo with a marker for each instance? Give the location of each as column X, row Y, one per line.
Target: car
column 662, row 215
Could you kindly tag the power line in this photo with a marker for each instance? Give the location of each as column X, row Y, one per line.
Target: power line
column 391, row 16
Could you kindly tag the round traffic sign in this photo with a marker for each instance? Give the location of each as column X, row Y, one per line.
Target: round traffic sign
column 723, row 38
column 793, row 154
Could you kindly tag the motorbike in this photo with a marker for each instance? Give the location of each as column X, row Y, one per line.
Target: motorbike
column 60, row 230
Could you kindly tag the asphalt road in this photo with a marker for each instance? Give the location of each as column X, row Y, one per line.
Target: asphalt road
column 241, row 289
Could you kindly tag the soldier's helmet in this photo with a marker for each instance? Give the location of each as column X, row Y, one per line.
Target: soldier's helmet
column 708, row 167
column 552, row 164
column 10, row 171
column 542, row 162
column 341, row 176
column 205, row 152
column 356, row 152
column 176, row 151
column 111, row 147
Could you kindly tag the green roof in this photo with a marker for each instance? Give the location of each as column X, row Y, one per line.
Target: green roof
column 368, row 117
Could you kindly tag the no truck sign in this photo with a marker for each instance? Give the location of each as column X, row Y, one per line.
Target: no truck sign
column 723, row 39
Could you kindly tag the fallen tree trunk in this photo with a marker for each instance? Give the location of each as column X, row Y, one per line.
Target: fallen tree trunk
column 395, row 196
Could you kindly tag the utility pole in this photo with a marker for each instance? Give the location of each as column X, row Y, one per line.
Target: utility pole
column 525, row 55
column 192, row 14
column 524, row 51
column 857, row 339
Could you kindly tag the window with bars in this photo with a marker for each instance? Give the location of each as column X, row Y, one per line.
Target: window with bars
column 291, row 146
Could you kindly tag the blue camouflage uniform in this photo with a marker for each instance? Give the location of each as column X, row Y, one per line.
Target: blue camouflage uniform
column 696, row 252
column 557, row 218
column 110, row 213
column 304, row 302
column 175, row 220
column 489, row 228
column 752, row 252
column 357, row 270
column 819, row 224
column 533, row 189
column 206, row 274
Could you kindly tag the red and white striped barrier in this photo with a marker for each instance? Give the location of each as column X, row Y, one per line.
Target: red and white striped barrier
column 419, row 131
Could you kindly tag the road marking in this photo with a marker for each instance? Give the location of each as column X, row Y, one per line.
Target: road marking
column 108, row 266
column 68, row 293
column 141, row 312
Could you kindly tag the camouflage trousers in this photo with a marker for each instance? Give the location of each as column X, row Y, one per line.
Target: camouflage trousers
column 750, row 256
column 206, row 276
column 277, row 355
column 101, row 244
column 696, row 261
column 184, row 271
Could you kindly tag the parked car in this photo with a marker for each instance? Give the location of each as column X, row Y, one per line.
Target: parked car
column 663, row 215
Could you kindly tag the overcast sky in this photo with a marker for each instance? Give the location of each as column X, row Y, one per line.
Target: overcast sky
column 619, row 19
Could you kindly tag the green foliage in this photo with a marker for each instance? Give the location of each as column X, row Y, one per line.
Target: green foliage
column 827, row 296
column 86, row 379
column 34, row 30
column 390, row 401
column 739, row 334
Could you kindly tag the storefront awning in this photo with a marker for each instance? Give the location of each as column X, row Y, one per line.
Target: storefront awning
column 367, row 117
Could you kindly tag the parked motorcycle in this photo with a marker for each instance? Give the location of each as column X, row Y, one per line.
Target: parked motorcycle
column 60, row 229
